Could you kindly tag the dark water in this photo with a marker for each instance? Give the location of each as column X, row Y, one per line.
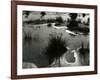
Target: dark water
column 33, row 49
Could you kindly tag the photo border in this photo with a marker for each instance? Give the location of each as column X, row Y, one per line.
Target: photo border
column 14, row 38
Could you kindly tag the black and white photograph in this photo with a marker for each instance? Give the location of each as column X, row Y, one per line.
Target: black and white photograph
column 55, row 39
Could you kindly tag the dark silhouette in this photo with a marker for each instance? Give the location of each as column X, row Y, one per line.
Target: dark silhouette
column 26, row 13
column 55, row 48
column 43, row 14
column 73, row 22
column 83, row 15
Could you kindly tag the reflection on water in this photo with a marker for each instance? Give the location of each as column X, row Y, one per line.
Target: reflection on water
column 33, row 47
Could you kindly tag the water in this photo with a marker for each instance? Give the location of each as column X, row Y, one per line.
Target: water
column 34, row 48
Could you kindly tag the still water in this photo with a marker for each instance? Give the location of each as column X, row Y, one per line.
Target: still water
column 33, row 49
